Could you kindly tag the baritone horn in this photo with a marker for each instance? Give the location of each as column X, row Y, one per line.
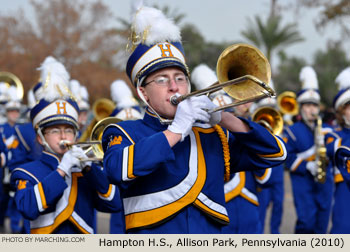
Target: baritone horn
column 95, row 143
column 242, row 72
column 270, row 118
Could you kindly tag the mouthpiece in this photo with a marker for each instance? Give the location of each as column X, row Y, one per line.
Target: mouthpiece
column 174, row 100
column 64, row 144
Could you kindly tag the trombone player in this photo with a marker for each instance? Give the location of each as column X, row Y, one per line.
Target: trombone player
column 304, row 140
column 59, row 192
column 171, row 164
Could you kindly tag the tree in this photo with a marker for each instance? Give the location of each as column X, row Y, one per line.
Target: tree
column 330, row 12
column 287, row 77
column 270, row 36
column 73, row 32
column 328, row 64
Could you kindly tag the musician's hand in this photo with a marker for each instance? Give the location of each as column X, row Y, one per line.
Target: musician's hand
column 72, row 158
column 187, row 112
column 215, row 117
column 312, row 167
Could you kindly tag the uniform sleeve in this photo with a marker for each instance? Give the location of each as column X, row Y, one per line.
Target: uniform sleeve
column 3, row 154
column 107, row 195
column 294, row 162
column 333, row 142
column 125, row 159
column 342, row 161
column 33, row 197
column 256, row 149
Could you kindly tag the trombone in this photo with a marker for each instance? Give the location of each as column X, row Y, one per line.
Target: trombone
column 95, row 142
column 242, row 72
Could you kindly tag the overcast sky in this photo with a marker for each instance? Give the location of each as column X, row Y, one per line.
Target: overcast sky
column 222, row 20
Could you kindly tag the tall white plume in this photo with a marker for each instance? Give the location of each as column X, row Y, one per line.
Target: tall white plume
column 121, row 94
column 74, row 87
column 343, row 79
column 84, row 93
column 151, row 26
column 31, row 99
column 55, row 79
column 308, row 78
column 202, row 76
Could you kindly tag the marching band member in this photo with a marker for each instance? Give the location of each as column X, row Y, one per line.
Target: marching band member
column 8, row 133
column 59, row 192
column 340, row 137
column 170, row 165
column 312, row 199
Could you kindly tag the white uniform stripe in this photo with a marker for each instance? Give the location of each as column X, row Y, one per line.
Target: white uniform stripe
column 303, row 156
column 249, row 194
column 49, row 218
column 267, row 176
column 38, row 198
column 82, row 223
column 125, row 164
column 283, row 157
column 158, row 199
column 211, row 204
column 232, row 184
column 111, row 196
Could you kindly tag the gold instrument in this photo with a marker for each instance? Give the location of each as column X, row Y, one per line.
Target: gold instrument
column 242, row 72
column 321, row 153
column 270, row 118
column 95, row 142
column 101, row 109
column 287, row 104
column 12, row 80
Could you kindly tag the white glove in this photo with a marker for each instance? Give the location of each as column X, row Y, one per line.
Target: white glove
column 187, row 112
column 312, row 167
column 72, row 158
column 215, row 117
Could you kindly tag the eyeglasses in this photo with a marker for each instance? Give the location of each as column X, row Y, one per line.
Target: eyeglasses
column 163, row 81
column 58, row 132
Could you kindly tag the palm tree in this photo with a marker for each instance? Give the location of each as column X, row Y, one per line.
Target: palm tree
column 270, row 35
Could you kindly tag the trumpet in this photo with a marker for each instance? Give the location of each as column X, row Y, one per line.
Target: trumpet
column 242, row 72
column 95, row 143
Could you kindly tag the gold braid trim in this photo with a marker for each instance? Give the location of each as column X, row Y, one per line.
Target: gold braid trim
column 226, row 151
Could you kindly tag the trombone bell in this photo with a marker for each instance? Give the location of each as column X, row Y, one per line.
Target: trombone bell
column 96, row 134
column 239, row 60
column 270, row 118
column 287, row 103
column 243, row 73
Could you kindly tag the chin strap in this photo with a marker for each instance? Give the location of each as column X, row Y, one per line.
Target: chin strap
column 346, row 122
column 46, row 145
